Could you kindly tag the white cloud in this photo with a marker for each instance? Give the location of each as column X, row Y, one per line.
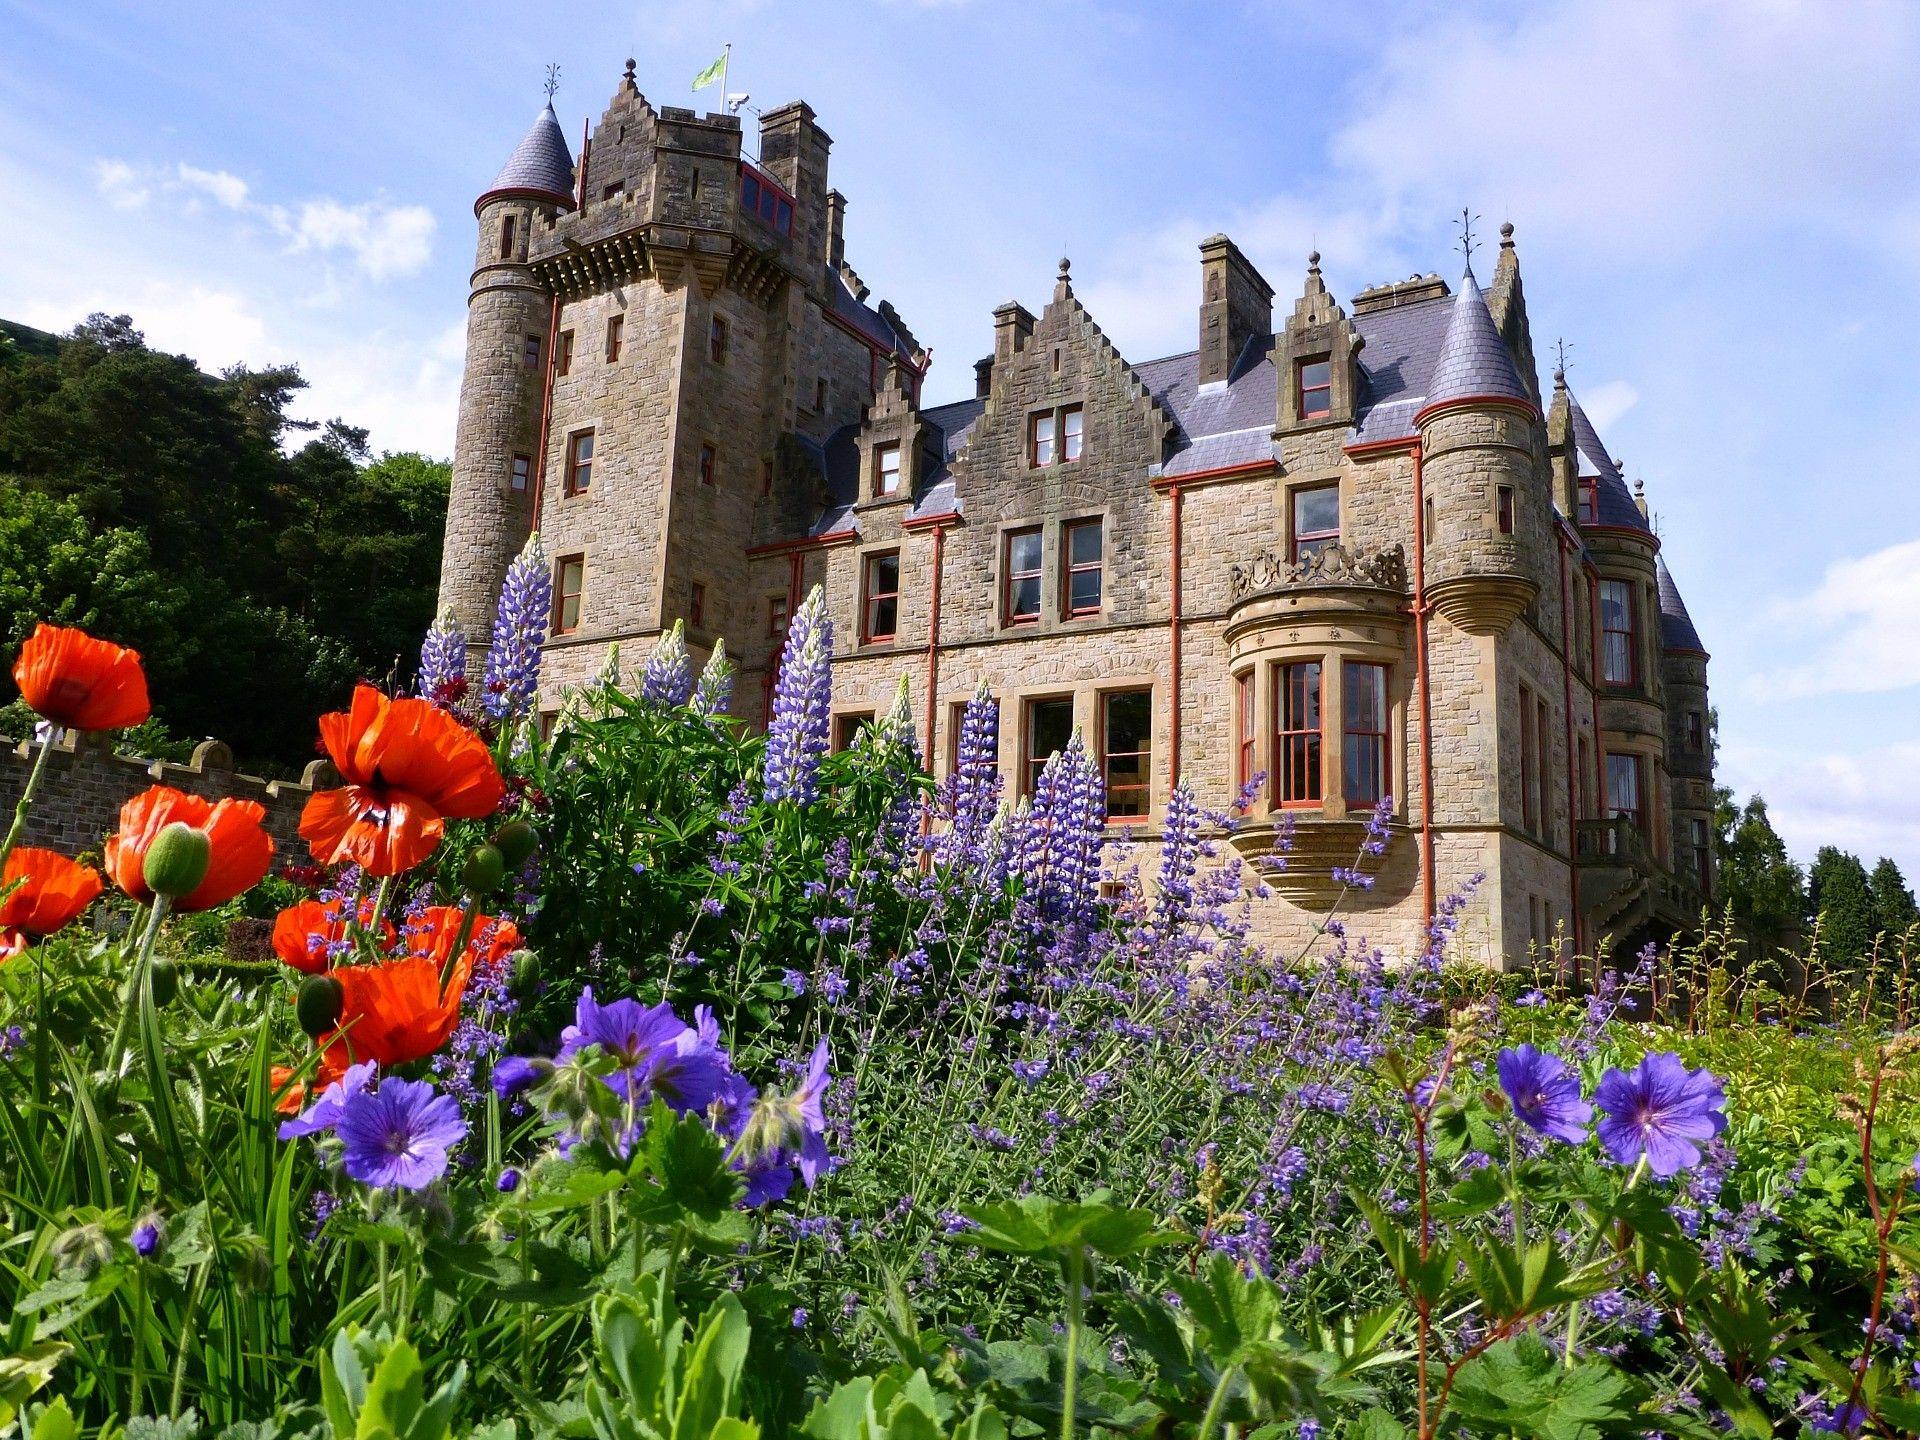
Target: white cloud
column 121, row 185
column 229, row 189
column 1606, row 403
column 1851, row 800
column 1857, row 627
column 216, row 327
column 386, row 240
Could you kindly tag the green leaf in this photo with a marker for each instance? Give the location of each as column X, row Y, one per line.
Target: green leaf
column 1036, row 1225
column 1375, row 1424
column 1519, row 1387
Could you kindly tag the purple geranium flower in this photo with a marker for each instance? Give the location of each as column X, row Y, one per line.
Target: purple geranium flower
column 398, row 1136
column 657, row 1054
column 324, row 1113
column 514, row 1073
column 1545, row 1093
column 1660, row 1110
column 147, row 1236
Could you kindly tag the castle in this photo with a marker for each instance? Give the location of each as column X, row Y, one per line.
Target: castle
column 1359, row 552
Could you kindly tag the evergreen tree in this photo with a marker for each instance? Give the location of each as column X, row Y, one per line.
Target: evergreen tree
column 1761, row 886
column 1839, row 898
column 1894, row 911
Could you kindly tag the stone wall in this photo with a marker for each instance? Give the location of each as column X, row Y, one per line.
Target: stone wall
column 78, row 803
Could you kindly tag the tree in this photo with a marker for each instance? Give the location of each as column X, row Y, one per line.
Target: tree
column 1894, row 911
column 1762, row 887
column 1838, row 897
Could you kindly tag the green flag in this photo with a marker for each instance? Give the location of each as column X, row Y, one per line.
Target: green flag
column 712, row 73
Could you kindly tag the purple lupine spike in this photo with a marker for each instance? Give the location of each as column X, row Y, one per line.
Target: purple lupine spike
column 1179, row 862
column 713, row 695
column 519, row 630
column 1065, row 835
column 970, row 799
column 668, row 678
column 802, row 704
column 443, row 661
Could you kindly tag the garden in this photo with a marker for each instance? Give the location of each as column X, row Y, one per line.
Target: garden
column 652, row 1080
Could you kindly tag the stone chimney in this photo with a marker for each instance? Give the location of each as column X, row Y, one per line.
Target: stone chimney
column 982, row 376
column 1236, row 304
column 836, row 229
column 1012, row 324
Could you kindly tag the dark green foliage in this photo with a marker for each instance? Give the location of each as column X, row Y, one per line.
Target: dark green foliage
column 1894, row 912
column 158, row 507
column 1760, row 883
column 1842, row 904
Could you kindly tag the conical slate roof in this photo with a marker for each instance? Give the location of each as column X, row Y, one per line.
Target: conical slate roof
column 541, row 165
column 1613, row 502
column 1676, row 626
column 1474, row 361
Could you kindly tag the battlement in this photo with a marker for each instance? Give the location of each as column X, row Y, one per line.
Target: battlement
column 85, row 783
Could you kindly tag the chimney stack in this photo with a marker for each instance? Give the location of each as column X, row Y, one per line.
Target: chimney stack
column 836, row 229
column 1012, row 324
column 1236, row 304
column 982, row 377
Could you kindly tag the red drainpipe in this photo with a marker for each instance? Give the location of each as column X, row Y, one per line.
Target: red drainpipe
column 1173, row 636
column 546, row 413
column 933, row 642
column 1426, row 695
column 1573, row 794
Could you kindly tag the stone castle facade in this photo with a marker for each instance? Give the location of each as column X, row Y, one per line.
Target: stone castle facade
column 1357, row 550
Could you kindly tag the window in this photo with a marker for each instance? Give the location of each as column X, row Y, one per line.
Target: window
column 1316, row 388
column 1702, row 848
column 765, row 201
column 1696, row 732
column 886, row 470
column 847, row 727
column 612, row 191
column 820, row 395
column 530, row 352
column 717, row 340
column 1503, row 505
column 1583, row 781
column 506, row 238
column 1316, row 520
column 1070, row 433
column 563, row 357
column 1529, row 758
column 776, row 617
column 1244, row 721
column 569, row 579
column 956, row 722
column 880, row 602
column 1623, row 790
column 1296, row 739
column 1126, row 752
column 521, row 476
column 1366, row 774
column 579, row 462
column 1021, row 599
column 1619, row 664
column 696, row 605
column 1589, row 499
column 1540, row 768
column 1083, row 548
column 1041, row 430
column 708, row 459
column 615, row 324
column 1049, row 728
column 766, row 477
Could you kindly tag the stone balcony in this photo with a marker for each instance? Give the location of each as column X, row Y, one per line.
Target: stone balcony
column 1271, row 572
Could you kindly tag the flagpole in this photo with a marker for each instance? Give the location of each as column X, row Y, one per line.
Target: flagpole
column 726, row 58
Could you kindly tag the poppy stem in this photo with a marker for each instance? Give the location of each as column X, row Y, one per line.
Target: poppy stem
column 135, row 987
column 19, row 826
column 460, row 941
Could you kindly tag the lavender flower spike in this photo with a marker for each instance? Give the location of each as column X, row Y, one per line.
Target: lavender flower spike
column 443, row 660
column 519, row 630
column 802, row 702
column 668, row 678
column 713, row 695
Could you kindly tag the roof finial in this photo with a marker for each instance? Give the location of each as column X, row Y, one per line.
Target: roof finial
column 1065, row 266
column 629, row 69
column 1506, row 234
column 553, row 81
column 1560, row 349
column 1467, row 245
column 1313, row 262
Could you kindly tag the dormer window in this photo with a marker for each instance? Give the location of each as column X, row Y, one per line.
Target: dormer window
column 1589, row 499
column 1316, row 388
column 886, row 470
column 1316, row 520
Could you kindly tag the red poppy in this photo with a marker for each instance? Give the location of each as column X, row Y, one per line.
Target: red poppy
column 409, row 767
column 488, row 944
column 302, row 933
column 393, row 1012
column 295, row 1100
column 242, row 851
column 41, row 892
column 79, row 682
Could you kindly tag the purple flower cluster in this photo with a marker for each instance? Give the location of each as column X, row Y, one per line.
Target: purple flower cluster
column 802, row 706
column 443, row 661
column 1660, row 1111
column 713, row 694
column 668, row 677
column 519, row 630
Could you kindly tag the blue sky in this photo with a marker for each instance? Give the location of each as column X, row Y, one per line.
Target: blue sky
column 1714, row 204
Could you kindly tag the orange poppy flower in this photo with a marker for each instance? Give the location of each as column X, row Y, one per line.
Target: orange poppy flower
column 241, row 849
column 41, row 892
column 79, row 682
column 295, row 1100
column 409, row 767
column 393, row 1012
column 302, row 932
column 433, row 934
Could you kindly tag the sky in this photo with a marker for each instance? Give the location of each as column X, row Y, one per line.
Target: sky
column 1714, row 205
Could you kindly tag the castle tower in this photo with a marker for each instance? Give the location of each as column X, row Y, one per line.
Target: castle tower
column 509, row 322
column 1683, row 672
column 1483, row 502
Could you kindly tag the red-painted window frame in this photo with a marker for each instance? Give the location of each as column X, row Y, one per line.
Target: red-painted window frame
column 1630, row 635
column 1071, row 567
column 580, row 453
column 616, row 324
column 563, row 357
column 1137, row 792
column 872, row 597
column 1299, row 747
column 764, row 198
column 577, row 565
column 1008, row 615
column 1322, row 406
column 1377, row 738
column 1031, row 764
column 777, row 606
column 1317, row 539
column 1051, row 439
column 1589, row 502
column 1072, row 433
column 847, row 726
column 1246, row 726
column 1637, row 767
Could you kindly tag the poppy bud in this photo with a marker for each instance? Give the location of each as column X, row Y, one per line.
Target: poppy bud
column 523, row 973
column 516, row 841
column 486, row 867
column 319, row 1004
column 164, row 976
column 177, row 860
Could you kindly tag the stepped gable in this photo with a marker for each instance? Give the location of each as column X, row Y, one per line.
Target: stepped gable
column 541, row 166
column 1676, row 625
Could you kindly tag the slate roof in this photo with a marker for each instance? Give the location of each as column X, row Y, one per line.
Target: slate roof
column 1676, row 625
column 1614, row 503
column 868, row 321
column 1474, row 360
column 540, row 164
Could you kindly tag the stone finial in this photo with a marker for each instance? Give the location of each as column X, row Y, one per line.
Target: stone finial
column 212, row 755
column 1506, row 234
column 1065, row 266
column 1313, row 262
column 1063, row 284
column 629, row 75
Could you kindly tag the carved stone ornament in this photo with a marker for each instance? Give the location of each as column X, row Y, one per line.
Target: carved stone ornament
column 1270, row 570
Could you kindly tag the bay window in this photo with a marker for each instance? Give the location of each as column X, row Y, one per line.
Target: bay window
column 1365, row 771
column 1624, row 788
column 1296, row 740
column 1619, row 653
column 1244, row 721
column 1316, row 521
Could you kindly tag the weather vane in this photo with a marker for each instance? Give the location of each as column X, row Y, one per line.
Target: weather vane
column 553, row 80
column 1467, row 246
column 1561, row 349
